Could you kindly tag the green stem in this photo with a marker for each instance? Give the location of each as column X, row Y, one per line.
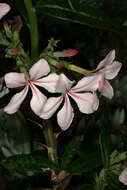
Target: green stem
column 33, row 29
column 67, row 65
column 50, row 141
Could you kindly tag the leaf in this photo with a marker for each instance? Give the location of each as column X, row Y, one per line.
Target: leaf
column 70, row 151
column 86, row 187
column 4, row 100
column 14, row 134
column 86, row 163
column 27, row 162
column 104, row 147
column 116, row 157
column 21, row 8
column 74, row 11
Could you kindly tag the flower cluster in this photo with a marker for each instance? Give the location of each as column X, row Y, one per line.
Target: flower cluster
column 83, row 93
column 4, row 9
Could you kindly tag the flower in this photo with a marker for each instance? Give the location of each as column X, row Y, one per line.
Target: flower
column 109, row 69
column 87, row 102
column 123, row 177
column 13, row 80
column 4, row 9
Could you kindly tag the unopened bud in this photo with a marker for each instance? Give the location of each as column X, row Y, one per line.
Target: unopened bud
column 59, row 66
column 13, row 51
column 67, row 53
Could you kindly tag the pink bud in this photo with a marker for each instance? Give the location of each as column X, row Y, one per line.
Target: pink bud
column 70, row 52
column 59, row 66
column 13, row 51
column 67, row 53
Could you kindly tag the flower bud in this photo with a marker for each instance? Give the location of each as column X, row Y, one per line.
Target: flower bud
column 67, row 53
column 13, row 51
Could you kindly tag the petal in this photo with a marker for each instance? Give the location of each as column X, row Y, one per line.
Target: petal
column 65, row 115
column 38, row 100
column 4, row 9
column 90, row 83
column 63, row 83
column 111, row 71
column 107, row 60
column 50, row 107
column 123, row 177
column 87, row 102
column 39, row 69
column 49, row 82
column 16, row 101
column 107, row 90
column 14, row 80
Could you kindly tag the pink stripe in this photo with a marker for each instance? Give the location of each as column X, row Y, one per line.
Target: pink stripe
column 34, row 89
column 39, row 82
column 75, row 96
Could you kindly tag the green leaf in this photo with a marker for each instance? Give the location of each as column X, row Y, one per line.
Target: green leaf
column 117, row 157
column 4, row 100
column 86, row 187
column 71, row 150
column 101, row 180
column 74, row 11
column 21, row 8
column 104, row 147
column 86, row 163
column 27, row 162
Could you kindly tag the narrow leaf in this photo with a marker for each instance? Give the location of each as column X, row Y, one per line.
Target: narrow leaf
column 86, row 187
column 21, row 8
column 79, row 13
column 27, row 162
column 70, row 151
column 86, row 163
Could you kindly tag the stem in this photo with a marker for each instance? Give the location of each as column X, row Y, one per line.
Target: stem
column 67, row 65
column 33, row 29
column 50, row 141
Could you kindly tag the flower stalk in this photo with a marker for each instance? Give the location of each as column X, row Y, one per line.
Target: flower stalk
column 67, row 65
column 50, row 141
column 33, row 29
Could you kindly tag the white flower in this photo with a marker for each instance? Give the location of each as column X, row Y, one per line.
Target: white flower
column 109, row 69
column 4, row 9
column 13, row 80
column 123, row 177
column 87, row 102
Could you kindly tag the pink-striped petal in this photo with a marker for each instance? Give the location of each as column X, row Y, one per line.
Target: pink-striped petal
column 63, row 84
column 111, row 71
column 49, row 82
column 107, row 60
column 4, row 9
column 87, row 102
column 50, row 107
column 39, row 69
column 16, row 101
column 14, row 80
column 90, row 83
column 107, row 90
column 38, row 100
column 65, row 115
